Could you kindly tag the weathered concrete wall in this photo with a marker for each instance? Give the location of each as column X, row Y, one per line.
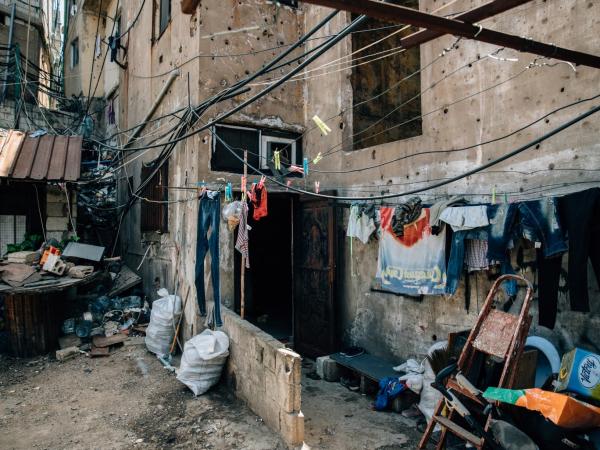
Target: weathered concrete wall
column 266, row 376
column 88, row 21
column 32, row 118
column 455, row 116
column 61, row 213
column 200, row 44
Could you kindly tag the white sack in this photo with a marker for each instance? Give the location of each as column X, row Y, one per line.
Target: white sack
column 163, row 321
column 203, row 359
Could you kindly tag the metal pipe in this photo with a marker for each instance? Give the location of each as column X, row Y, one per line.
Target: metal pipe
column 10, row 43
column 154, row 107
column 404, row 15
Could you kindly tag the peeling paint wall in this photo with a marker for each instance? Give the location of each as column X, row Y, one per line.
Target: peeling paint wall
column 455, row 116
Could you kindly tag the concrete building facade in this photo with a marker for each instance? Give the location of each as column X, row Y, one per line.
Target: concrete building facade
column 461, row 92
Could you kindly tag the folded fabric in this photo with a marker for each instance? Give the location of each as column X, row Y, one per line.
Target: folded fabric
column 462, row 218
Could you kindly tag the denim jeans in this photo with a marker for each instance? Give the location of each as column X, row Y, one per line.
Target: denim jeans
column 535, row 220
column 208, row 219
column 457, row 255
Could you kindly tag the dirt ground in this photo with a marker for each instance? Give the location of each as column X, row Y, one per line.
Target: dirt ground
column 129, row 400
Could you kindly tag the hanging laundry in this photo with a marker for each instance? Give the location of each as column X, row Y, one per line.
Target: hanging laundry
column 295, row 169
column 406, row 213
column 242, row 244
column 111, row 115
column 412, row 264
column 360, row 225
column 437, row 209
column 462, row 218
column 580, row 215
column 208, row 220
column 476, row 254
column 259, row 201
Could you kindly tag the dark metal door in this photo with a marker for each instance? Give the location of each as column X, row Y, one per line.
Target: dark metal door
column 314, row 277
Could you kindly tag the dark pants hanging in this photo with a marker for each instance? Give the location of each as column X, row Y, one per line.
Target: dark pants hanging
column 580, row 218
column 208, row 219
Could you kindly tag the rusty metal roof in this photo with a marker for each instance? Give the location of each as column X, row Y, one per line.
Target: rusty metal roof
column 45, row 158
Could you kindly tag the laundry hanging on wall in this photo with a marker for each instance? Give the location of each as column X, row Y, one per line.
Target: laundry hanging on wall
column 412, row 264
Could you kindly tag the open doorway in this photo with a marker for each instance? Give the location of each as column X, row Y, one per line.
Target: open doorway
column 268, row 282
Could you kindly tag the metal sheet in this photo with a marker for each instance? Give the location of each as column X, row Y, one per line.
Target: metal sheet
column 83, row 251
column 49, row 157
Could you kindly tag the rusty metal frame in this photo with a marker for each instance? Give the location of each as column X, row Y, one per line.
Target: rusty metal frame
column 442, row 25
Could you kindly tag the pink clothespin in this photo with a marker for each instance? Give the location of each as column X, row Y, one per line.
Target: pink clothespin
column 289, row 183
column 261, row 183
column 317, row 186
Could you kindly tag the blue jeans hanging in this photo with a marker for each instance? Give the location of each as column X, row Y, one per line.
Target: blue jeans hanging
column 208, row 219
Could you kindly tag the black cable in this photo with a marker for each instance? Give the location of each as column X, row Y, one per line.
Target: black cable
column 134, row 21
column 432, row 186
column 435, row 152
column 330, row 43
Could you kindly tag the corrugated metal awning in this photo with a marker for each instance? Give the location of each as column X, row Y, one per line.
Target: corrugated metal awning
column 45, row 158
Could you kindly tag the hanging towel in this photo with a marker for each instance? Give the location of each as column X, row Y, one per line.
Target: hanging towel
column 242, row 244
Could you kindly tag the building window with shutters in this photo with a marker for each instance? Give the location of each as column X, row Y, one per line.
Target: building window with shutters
column 155, row 197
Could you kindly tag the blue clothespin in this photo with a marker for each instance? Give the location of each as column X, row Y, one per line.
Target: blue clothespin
column 305, row 166
column 228, row 192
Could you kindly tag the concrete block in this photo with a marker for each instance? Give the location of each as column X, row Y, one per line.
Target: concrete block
column 54, row 209
column 55, row 195
column 327, row 369
column 57, row 223
column 58, row 235
column 292, row 427
column 288, row 366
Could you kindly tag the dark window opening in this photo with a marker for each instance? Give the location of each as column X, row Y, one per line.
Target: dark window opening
column 74, row 52
column 382, row 120
column 292, row 3
column 155, row 195
column 165, row 15
column 260, row 144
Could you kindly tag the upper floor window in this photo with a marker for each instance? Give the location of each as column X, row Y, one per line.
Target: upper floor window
column 164, row 15
column 386, row 98
column 155, row 196
column 260, row 144
column 74, row 52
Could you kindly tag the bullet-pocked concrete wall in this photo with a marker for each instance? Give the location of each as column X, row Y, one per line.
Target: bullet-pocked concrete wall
column 266, row 375
column 221, row 43
column 469, row 95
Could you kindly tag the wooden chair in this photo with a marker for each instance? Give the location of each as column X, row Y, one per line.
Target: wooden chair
column 496, row 333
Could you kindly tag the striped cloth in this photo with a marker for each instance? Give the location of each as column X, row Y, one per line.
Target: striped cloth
column 242, row 244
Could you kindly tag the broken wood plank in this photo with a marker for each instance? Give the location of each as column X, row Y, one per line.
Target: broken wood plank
column 107, row 341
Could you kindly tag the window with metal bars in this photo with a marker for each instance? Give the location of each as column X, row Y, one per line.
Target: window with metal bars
column 155, row 195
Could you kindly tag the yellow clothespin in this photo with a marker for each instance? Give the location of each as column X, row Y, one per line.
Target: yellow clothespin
column 277, row 158
column 494, row 195
column 317, row 158
column 322, row 125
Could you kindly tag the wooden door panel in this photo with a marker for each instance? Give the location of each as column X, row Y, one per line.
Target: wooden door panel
column 315, row 267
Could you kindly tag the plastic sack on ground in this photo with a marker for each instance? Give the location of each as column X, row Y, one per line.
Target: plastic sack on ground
column 163, row 318
column 561, row 409
column 203, row 359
